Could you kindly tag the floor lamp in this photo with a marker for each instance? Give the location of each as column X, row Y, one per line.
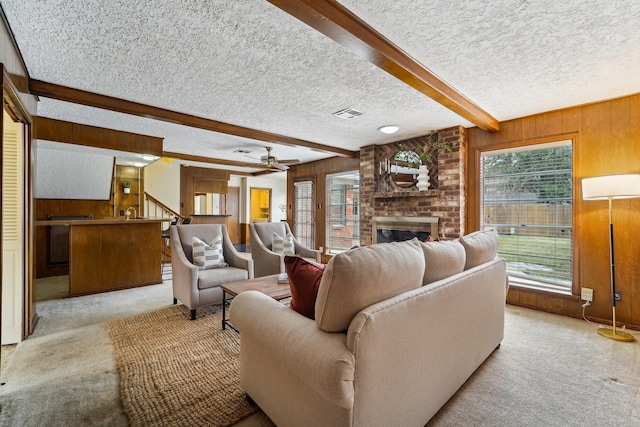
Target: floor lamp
column 612, row 187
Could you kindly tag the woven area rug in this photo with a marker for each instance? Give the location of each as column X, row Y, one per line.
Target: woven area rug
column 178, row 372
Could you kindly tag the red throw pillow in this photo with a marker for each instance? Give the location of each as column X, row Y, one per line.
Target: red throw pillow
column 304, row 281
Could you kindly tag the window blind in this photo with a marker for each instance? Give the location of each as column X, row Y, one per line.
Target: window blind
column 342, row 211
column 527, row 197
column 303, row 213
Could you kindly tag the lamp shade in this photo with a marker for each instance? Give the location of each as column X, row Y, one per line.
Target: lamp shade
column 611, row 187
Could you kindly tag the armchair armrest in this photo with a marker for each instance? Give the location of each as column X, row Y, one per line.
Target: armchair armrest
column 305, row 252
column 185, row 274
column 234, row 259
column 286, row 338
column 265, row 260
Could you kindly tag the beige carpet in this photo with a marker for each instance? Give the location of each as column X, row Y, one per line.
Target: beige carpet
column 550, row 371
column 48, row 288
column 178, row 372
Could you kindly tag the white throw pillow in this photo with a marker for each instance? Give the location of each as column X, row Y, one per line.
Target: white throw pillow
column 208, row 255
column 283, row 245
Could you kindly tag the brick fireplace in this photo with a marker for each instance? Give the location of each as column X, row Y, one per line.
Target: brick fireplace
column 400, row 228
column 444, row 201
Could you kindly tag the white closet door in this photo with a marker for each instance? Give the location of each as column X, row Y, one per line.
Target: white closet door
column 12, row 232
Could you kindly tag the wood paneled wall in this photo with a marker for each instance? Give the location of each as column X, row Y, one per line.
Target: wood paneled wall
column 317, row 172
column 606, row 139
column 19, row 101
column 100, row 209
column 194, row 179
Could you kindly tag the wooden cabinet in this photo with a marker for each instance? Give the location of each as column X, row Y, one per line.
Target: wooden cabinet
column 112, row 255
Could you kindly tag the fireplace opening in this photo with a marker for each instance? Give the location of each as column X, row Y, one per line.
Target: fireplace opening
column 398, row 229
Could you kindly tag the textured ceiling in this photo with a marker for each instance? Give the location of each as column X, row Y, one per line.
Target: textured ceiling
column 247, row 63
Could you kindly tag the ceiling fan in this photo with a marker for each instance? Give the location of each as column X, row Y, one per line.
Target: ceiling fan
column 273, row 162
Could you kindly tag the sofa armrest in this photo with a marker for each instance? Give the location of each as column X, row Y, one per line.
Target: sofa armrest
column 286, row 338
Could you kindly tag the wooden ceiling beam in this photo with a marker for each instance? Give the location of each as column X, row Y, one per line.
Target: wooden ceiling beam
column 341, row 25
column 203, row 159
column 77, row 96
column 189, row 157
column 92, row 136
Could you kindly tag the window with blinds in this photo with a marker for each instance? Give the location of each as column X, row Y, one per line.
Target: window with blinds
column 342, row 211
column 527, row 197
column 303, row 213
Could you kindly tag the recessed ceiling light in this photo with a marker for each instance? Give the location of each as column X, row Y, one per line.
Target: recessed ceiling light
column 138, row 164
column 148, row 157
column 389, row 129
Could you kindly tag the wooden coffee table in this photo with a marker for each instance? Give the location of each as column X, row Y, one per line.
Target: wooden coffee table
column 268, row 285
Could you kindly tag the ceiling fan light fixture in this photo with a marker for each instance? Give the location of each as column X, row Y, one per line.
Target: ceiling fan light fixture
column 389, row 129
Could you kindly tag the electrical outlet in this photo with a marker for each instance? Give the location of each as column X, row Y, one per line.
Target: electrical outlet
column 617, row 295
column 587, row 294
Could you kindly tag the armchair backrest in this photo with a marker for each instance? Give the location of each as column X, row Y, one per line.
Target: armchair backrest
column 265, row 231
column 205, row 232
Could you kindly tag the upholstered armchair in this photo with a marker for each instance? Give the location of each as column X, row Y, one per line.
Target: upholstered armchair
column 195, row 286
column 266, row 261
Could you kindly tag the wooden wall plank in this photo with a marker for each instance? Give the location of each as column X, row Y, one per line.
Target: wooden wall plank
column 606, row 141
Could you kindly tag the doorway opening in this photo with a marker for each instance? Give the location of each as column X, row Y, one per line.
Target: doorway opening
column 260, row 205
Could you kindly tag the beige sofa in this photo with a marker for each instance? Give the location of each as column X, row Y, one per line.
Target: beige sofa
column 384, row 349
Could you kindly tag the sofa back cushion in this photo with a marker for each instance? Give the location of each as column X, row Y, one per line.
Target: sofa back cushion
column 355, row 279
column 442, row 259
column 480, row 247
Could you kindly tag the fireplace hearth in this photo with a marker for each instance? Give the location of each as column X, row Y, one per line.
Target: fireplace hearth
column 401, row 228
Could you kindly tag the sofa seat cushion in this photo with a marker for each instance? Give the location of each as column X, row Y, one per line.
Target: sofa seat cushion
column 304, row 281
column 219, row 276
column 442, row 259
column 359, row 277
column 480, row 247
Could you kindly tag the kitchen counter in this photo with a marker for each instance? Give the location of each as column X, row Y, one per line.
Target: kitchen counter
column 111, row 254
column 98, row 221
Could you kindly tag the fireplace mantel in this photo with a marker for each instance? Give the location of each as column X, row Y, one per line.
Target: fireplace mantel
column 413, row 193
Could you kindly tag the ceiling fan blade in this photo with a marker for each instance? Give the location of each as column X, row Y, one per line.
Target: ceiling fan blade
column 280, row 166
column 266, row 171
column 253, row 165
